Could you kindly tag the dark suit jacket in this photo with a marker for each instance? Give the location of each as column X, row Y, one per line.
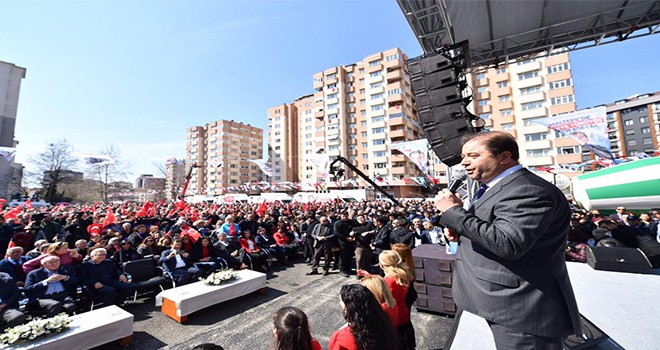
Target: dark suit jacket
column 34, row 289
column 170, row 264
column 510, row 266
column 326, row 231
column 9, row 292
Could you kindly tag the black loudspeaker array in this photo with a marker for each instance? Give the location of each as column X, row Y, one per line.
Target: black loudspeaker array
column 438, row 84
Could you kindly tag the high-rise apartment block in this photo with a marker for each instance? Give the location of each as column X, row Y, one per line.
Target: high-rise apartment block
column 10, row 86
column 174, row 178
column 517, row 95
column 220, row 152
column 634, row 125
column 357, row 111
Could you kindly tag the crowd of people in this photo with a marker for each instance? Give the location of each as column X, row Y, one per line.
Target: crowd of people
column 51, row 253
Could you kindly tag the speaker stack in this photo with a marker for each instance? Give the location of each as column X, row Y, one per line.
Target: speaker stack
column 439, row 85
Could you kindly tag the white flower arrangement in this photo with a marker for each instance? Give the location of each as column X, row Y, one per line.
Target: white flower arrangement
column 220, row 277
column 35, row 329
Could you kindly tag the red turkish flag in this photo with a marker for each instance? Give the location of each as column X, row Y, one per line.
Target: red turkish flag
column 28, row 204
column 109, row 218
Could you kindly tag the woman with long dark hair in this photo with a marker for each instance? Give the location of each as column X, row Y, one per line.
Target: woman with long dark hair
column 291, row 330
column 368, row 326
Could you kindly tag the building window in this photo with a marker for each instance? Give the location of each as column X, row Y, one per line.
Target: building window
column 643, row 120
column 528, row 75
column 560, row 100
column 560, row 84
column 533, row 121
column 632, row 142
column 365, row 156
column 630, row 132
column 331, row 76
column 374, row 63
column 363, row 134
column 558, row 68
column 377, row 130
column 392, row 57
column 377, row 107
column 501, row 70
column 646, row 130
column 536, row 136
column 364, row 145
column 505, row 98
column 377, row 119
column 331, row 96
column 378, row 142
column 379, row 154
column 376, row 96
column 531, row 105
column 375, row 74
column 480, row 76
column 568, row 150
column 482, row 103
column 538, row 153
column 530, row 90
column 484, row 116
column 505, row 112
column 482, row 89
column 647, row 141
column 502, row 84
column 393, row 92
column 507, row 126
column 628, row 122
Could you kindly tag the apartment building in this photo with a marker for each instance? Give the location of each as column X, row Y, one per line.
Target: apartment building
column 357, row 111
column 174, row 178
column 634, row 125
column 517, row 95
column 220, row 152
column 11, row 77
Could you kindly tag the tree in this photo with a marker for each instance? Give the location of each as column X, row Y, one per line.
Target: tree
column 56, row 163
column 108, row 172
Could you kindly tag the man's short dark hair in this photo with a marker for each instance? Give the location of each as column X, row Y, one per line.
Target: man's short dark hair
column 208, row 346
column 383, row 220
column 497, row 142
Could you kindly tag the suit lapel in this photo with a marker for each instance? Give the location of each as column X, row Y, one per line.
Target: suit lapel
column 498, row 187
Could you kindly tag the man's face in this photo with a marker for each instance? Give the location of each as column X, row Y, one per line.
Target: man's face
column 620, row 210
column 176, row 245
column 15, row 254
column 417, row 222
column 51, row 264
column 428, row 225
column 81, row 244
column 480, row 164
column 98, row 257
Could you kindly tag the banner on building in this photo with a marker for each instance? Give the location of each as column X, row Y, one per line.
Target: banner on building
column 417, row 151
column 588, row 127
column 263, row 165
column 320, row 161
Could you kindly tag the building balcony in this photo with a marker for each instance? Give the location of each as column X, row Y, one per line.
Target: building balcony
column 398, row 170
column 331, row 101
column 382, row 159
column 374, row 68
column 569, row 158
column 534, row 128
column 380, row 124
column 540, row 144
column 507, row 119
column 394, row 75
column 538, row 161
column 397, row 133
column 505, row 105
column 483, row 95
column 533, row 113
column 376, row 90
column 396, row 98
column 527, row 67
column 374, row 148
column 537, row 96
column 565, row 141
column 396, row 121
column 376, row 101
column 319, row 134
column 481, row 82
column 520, row 84
column 319, row 114
column 329, row 81
column 380, row 112
column 484, row 109
column 397, row 157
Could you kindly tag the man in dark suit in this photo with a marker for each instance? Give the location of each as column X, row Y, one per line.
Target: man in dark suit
column 102, row 277
column 325, row 240
column 9, row 296
column 175, row 261
column 13, row 265
column 49, row 288
column 510, row 266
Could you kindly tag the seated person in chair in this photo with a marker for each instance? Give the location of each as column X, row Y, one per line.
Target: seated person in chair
column 206, row 257
column 9, row 296
column 175, row 261
column 49, row 288
column 13, row 265
column 103, row 278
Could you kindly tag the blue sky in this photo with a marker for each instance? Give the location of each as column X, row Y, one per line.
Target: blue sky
column 136, row 74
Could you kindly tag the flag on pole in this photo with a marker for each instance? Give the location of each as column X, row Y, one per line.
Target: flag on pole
column 96, row 159
column 263, row 165
column 109, row 218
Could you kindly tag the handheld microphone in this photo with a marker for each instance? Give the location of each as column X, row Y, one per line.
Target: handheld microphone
column 457, row 181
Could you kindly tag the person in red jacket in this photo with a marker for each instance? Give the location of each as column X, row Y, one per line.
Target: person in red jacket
column 398, row 278
column 368, row 326
column 381, row 291
column 291, row 330
column 255, row 256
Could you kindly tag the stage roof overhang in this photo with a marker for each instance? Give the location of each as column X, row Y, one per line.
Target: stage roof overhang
column 499, row 30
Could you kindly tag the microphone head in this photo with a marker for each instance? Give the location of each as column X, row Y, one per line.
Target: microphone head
column 460, row 175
